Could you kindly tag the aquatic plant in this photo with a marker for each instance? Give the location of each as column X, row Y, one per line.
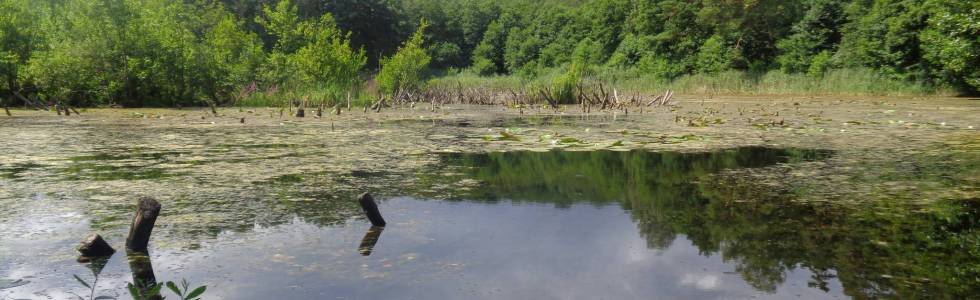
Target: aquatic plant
column 143, row 291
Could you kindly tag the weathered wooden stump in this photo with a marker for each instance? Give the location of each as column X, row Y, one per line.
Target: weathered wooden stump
column 371, row 210
column 369, row 240
column 242, row 120
column 300, row 113
column 94, row 246
column 147, row 210
column 6, row 109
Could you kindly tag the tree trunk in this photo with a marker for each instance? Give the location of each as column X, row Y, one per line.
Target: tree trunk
column 147, row 211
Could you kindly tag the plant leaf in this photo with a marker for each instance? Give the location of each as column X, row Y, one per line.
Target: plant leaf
column 154, row 290
column 197, row 292
column 173, row 287
column 80, row 280
column 133, row 291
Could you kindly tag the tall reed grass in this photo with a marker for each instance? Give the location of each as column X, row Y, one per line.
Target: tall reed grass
column 843, row 82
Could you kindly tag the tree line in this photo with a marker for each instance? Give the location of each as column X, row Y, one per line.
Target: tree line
column 190, row 52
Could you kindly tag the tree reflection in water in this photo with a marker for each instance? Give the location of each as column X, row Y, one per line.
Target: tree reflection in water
column 761, row 229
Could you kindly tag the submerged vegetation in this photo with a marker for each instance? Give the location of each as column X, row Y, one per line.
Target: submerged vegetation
column 187, row 53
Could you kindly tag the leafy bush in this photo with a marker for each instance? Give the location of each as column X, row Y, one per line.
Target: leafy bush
column 403, row 71
column 714, row 56
column 311, row 54
column 820, row 64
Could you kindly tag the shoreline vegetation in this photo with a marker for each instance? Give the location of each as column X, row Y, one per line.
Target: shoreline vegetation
column 60, row 54
column 842, row 82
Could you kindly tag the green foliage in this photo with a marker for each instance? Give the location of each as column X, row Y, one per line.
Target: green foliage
column 819, row 30
column 488, row 57
column 820, row 64
column 311, row 54
column 886, row 36
column 163, row 53
column 184, row 291
column 714, row 56
column 230, row 58
column 403, row 71
column 564, row 87
column 588, row 52
column 19, row 37
column 951, row 41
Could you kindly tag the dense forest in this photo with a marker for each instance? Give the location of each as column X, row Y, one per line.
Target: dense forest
column 193, row 52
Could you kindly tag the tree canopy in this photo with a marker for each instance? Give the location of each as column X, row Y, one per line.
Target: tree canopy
column 161, row 52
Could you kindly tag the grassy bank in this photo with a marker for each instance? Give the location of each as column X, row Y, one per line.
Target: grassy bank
column 843, row 82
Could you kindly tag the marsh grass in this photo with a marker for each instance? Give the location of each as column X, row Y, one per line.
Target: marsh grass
column 841, row 82
column 313, row 97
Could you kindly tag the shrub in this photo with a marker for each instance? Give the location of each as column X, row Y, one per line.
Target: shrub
column 403, row 71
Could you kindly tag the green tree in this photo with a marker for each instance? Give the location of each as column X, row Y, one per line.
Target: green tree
column 20, row 36
column 885, row 35
column 714, row 56
column 328, row 59
column 311, row 53
column 488, row 56
column 819, row 30
column 403, row 70
column 231, row 56
column 951, row 41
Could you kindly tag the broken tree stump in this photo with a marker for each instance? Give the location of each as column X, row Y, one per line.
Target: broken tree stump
column 300, row 113
column 94, row 246
column 371, row 210
column 6, row 109
column 147, row 210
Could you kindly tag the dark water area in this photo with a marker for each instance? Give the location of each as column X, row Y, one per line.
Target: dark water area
column 522, row 225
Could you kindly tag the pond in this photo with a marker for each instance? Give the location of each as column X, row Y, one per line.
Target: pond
column 276, row 217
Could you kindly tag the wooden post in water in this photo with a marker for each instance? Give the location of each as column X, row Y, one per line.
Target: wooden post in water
column 147, row 210
column 371, row 210
column 6, row 109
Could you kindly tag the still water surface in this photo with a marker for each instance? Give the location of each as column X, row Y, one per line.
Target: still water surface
column 513, row 225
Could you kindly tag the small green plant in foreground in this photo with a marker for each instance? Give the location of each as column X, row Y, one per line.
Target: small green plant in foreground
column 183, row 291
column 141, row 291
